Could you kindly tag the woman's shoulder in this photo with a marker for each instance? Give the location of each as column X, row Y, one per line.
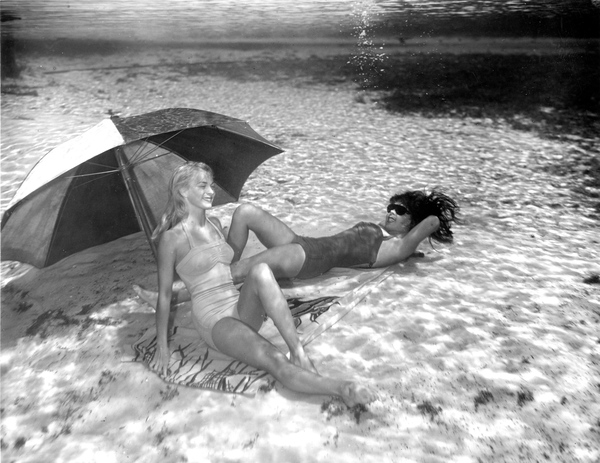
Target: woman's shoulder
column 172, row 236
column 171, row 246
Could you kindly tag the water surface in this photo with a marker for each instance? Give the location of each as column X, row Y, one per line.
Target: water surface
column 225, row 19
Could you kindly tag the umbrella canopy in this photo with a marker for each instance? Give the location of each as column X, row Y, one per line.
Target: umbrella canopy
column 112, row 180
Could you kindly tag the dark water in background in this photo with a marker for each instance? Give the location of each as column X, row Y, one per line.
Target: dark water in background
column 87, row 27
column 198, row 20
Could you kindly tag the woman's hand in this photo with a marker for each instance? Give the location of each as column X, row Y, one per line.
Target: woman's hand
column 160, row 361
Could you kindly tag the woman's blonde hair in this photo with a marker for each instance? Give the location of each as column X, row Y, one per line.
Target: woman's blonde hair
column 176, row 209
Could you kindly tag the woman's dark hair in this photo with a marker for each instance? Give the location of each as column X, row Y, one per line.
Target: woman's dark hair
column 421, row 205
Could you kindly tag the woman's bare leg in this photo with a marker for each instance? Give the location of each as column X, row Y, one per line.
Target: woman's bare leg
column 261, row 294
column 269, row 230
column 285, row 261
column 238, row 340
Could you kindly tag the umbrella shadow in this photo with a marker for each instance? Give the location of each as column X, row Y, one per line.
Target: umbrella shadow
column 86, row 291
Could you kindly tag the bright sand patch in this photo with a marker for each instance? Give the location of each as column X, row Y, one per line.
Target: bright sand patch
column 487, row 350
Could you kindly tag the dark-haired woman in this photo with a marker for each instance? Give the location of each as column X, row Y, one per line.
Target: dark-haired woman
column 411, row 217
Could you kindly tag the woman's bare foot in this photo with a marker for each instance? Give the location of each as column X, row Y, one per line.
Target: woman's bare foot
column 354, row 394
column 149, row 297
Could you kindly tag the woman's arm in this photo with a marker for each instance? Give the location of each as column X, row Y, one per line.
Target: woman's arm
column 423, row 230
column 167, row 252
column 398, row 249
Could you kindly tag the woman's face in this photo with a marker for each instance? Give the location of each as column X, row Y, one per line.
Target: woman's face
column 397, row 220
column 200, row 193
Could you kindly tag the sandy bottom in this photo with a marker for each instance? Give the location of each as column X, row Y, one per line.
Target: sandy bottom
column 486, row 350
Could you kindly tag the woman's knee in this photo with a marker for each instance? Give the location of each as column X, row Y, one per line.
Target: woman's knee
column 249, row 271
column 261, row 273
column 246, row 213
column 277, row 364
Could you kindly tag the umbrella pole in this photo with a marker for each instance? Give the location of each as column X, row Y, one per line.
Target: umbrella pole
column 140, row 210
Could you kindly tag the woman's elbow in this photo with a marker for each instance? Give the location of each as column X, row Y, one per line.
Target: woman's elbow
column 432, row 223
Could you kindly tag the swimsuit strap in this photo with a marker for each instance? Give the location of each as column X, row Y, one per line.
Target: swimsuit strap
column 216, row 228
column 187, row 235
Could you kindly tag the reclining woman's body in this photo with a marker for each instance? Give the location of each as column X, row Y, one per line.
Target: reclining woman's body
column 411, row 217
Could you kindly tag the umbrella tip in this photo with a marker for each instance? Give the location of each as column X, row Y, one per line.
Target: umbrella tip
column 112, row 114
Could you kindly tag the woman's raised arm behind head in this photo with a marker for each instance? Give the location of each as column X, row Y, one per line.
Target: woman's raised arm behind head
column 422, row 205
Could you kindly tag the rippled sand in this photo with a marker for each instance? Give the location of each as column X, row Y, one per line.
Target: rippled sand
column 486, row 350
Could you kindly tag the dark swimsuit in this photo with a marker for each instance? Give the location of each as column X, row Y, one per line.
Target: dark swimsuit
column 358, row 245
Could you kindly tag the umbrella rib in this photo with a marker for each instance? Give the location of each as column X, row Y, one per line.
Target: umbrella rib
column 151, row 159
column 104, row 172
column 138, row 158
column 135, row 159
column 138, row 152
column 97, row 164
column 96, row 177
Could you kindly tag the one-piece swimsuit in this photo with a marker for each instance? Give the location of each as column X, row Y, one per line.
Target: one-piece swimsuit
column 358, row 245
column 206, row 272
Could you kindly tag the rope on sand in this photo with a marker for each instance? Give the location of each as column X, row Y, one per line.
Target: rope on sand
column 347, row 303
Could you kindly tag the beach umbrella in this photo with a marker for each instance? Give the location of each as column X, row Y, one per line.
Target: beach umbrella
column 112, row 180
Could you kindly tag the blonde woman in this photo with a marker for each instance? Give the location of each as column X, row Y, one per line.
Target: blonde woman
column 193, row 245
